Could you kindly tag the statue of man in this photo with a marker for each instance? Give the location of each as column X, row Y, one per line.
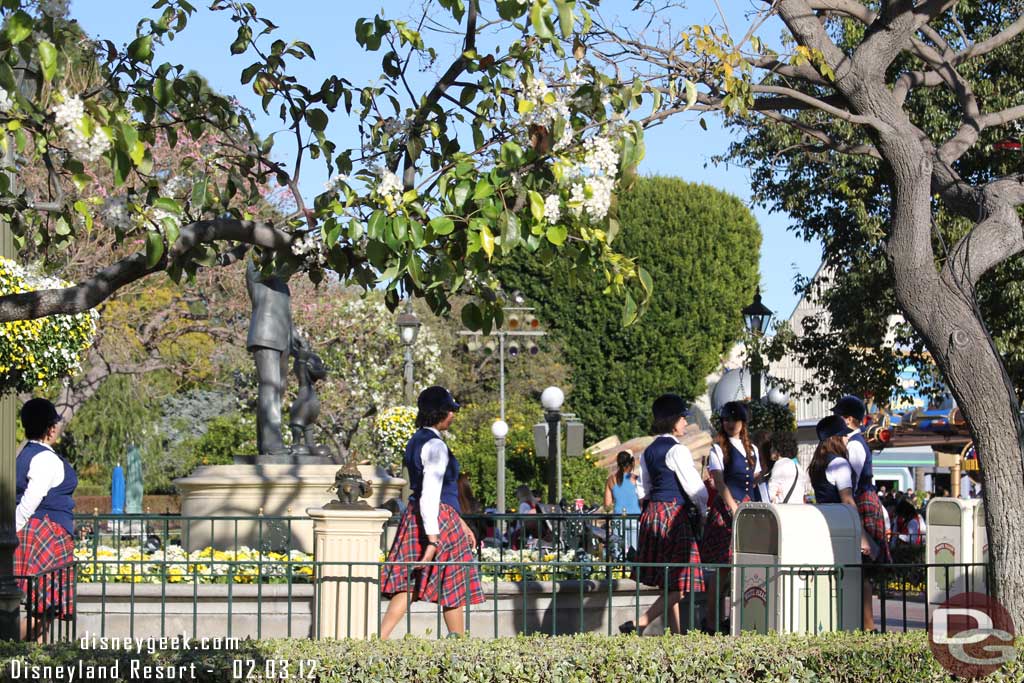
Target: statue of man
column 269, row 341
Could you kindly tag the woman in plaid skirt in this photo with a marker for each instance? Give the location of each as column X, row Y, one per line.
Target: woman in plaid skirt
column 735, row 468
column 431, row 528
column 45, row 482
column 673, row 495
column 853, row 411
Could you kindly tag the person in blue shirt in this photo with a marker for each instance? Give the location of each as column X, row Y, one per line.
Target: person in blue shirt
column 44, row 485
column 620, row 497
column 431, row 528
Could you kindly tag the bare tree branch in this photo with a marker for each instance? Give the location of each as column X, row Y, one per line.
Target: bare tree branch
column 827, row 141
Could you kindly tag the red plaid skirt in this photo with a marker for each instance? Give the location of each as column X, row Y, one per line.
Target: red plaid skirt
column 45, row 547
column 716, row 546
column 449, row 586
column 665, row 538
column 873, row 521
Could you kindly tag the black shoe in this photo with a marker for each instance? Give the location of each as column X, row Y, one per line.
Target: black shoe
column 725, row 627
column 627, row 628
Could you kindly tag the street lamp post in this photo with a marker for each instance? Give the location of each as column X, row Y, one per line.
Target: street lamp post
column 551, row 400
column 500, row 429
column 408, row 328
column 757, row 317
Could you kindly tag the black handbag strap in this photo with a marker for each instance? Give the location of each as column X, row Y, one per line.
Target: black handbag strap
column 793, row 487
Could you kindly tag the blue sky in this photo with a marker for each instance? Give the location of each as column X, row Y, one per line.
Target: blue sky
column 678, row 148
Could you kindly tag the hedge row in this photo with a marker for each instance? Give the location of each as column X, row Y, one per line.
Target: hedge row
column 893, row 658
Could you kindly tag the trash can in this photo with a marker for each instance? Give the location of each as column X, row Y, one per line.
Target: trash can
column 796, row 568
column 956, row 535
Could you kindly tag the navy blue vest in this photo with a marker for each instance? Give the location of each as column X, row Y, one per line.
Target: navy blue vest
column 739, row 476
column 866, row 482
column 824, row 490
column 58, row 503
column 413, row 462
column 664, row 485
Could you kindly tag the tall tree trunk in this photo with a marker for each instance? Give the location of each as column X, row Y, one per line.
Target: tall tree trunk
column 945, row 312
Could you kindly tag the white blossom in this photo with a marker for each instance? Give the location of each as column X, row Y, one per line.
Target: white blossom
column 54, row 8
column 600, row 157
column 70, row 117
column 389, row 188
column 552, row 209
column 178, row 186
column 600, row 199
column 115, row 212
column 335, row 182
column 6, row 102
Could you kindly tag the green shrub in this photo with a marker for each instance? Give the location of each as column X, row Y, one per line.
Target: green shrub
column 893, row 658
column 472, row 443
column 700, row 246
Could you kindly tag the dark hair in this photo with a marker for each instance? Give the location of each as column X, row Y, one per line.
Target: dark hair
column 623, row 460
column 906, row 509
column 429, row 418
column 467, row 502
column 833, row 445
column 784, row 443
column 722, row 439
column 664, row 425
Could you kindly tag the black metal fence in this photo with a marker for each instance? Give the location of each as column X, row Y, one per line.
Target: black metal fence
column 562, row 573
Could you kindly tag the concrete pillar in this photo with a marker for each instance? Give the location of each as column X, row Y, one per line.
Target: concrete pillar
column 348, row 595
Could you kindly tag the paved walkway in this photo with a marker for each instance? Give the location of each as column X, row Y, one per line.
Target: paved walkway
column 911, row 616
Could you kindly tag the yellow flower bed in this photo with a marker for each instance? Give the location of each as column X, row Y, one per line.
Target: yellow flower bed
column 174, row 565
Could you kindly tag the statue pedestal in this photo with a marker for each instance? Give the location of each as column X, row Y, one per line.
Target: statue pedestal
column 239, row 494
column 349, row 594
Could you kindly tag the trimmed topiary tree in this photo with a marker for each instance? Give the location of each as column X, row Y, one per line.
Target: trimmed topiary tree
column 701, row 248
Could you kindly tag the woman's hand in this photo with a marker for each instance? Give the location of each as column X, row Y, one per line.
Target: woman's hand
column 468, row 531
column 732, row 505
column 429, row 551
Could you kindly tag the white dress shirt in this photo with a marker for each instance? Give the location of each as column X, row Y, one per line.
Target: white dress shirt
column 857, row 456
column 44, row 472
column 785, row 472
column 840, row 474
column 434, row 457
column 716, row 463
column 679, row 460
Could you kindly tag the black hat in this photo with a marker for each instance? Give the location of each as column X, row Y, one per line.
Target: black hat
column 734, row 410
column 833, row 425
column 668, row 406
column 436, row 399
column 38, row 415
column 850, row 406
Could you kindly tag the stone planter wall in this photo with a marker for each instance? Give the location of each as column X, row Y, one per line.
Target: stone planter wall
column 214, row 611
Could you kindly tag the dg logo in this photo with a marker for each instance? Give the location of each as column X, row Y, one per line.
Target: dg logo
column 971, row 635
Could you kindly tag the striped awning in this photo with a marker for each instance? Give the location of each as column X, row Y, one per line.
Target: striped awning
column 904, row 457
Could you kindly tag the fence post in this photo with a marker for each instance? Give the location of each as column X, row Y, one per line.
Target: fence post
column 348, row 595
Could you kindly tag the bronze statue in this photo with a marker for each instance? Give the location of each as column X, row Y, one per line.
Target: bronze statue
column 269, row 341
column 308, row 368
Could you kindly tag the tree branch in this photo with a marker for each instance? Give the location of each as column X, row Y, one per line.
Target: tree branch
column 828, row 142
column 996, row 238
column 432, row 98
column 89, row 293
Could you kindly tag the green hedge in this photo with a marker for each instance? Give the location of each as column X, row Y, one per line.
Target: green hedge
column 893, row 658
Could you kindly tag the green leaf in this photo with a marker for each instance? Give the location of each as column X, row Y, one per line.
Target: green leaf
column 317, row 119
column 691, row 94
column 645, row 280
column 508, row 223
column 375, row 227
column 154, row 248
column 141, row 49
column 47, row 59
column 471, row 316
column 629, row 310
column 565, row 16
column 536, row 205
column 613, row 229
column 538, row 17
column 83, row 210
column 442, row 225
column 556, row 234
column 461, row 193
column 483, row 190
column 241, row 43
column 250, row 71
column 62, row 228
column 199, row 193
column 167, row 204
column 18, row 27
column 487, row 241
